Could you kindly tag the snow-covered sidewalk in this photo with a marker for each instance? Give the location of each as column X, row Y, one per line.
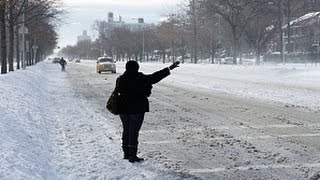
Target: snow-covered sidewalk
column 49, row 132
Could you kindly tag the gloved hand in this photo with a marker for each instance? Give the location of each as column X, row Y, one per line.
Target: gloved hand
column 174, row 65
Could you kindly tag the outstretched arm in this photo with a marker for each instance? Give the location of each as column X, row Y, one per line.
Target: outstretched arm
column 159, row 75
column 174, row 65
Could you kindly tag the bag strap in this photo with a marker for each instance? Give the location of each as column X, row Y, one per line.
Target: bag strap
column 117, row 84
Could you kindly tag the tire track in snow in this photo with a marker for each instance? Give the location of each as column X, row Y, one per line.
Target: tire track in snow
column 236, row 139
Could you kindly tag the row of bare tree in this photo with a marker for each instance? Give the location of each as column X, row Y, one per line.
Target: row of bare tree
column 202, row 29
column 37, row 19
column 256, row 22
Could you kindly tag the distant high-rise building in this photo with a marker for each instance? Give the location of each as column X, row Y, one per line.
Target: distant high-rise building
column 84, row 37
column 138, row 26
column 140, row 20
column 110, row 17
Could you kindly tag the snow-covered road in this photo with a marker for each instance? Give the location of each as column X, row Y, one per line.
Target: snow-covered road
column 86, row 136
column 206, row 122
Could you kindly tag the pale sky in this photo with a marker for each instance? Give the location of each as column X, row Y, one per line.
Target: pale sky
column 82, row 14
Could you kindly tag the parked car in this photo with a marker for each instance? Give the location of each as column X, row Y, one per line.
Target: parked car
column 106, row 64
column 77, row 60
column 227, row 60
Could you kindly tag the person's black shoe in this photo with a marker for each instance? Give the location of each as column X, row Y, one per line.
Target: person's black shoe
column 133, row 154
column 135, row 159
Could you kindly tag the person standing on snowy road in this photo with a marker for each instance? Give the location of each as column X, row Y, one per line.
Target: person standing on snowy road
column 135, row 88
column 63, row 63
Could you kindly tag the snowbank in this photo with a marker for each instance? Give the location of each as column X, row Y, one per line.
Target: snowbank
column 25, row 143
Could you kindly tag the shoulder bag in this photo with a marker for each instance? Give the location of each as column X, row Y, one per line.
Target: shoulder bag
column 113, row 102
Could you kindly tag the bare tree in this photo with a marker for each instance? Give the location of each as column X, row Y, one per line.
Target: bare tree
column 259, row 32
column 262, row 28
column 11, row 34
column 237, row 13
column 43, row 36
column 163, row 40
column 182, row 35
column 42, row 14
column 35, row 11
column 3, row 36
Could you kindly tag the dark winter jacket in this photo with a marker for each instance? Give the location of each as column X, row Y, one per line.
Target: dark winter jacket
column 62, row 62
column 135, row 88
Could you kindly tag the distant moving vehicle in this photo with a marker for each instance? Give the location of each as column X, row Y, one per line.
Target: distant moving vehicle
column 106, row 64
column 56, row 60
column 77, row 60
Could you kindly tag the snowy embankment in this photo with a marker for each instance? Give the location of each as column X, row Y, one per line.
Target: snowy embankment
column 24, row 127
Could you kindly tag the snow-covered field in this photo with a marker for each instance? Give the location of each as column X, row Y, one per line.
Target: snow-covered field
column 47, row 129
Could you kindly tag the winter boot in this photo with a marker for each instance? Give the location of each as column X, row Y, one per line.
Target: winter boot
column 125, row 149
column 133, row 154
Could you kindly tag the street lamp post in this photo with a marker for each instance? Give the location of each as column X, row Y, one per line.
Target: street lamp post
column 283, row 48
column 34, row 49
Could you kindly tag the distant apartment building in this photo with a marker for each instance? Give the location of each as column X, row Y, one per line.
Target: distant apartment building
column 138, row 26
column 311, row 6
column 83, row 37
column 304, row 35
column 305, row 31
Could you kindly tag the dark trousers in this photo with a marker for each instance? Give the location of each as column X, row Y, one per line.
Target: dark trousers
column 62, row 68
column 131, row 124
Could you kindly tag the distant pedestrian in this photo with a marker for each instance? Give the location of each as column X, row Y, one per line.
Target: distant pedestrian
column 63, row 64
column 135, row 88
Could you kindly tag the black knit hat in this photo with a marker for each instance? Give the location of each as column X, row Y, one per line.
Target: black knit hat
column 132, row 66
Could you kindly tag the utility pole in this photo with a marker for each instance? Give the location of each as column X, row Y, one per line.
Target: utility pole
column 143, row 55
column 141, row 20
column 283, row 47
column 289, row 25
